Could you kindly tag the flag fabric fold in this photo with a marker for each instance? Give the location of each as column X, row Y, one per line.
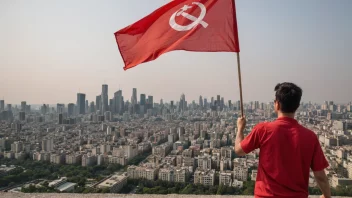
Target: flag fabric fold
column 190, row 25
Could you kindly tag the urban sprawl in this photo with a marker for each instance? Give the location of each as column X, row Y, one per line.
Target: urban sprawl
column 184, row 142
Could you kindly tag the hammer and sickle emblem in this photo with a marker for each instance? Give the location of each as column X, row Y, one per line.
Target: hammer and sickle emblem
column 195, row 20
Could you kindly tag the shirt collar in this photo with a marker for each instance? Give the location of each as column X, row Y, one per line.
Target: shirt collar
column 287, row 119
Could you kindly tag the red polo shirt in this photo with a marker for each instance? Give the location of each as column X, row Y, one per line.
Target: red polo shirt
column 287, row 152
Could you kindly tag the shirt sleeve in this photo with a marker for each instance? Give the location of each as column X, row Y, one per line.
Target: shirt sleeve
column 319, row 161
column 252, row 141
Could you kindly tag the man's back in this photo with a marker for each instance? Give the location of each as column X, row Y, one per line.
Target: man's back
column 287, row 152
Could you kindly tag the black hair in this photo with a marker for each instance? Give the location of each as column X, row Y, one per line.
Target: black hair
column 289, row 96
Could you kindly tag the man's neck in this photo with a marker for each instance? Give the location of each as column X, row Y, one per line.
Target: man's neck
column 288, row 115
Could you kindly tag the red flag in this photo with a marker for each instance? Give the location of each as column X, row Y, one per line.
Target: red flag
column 191, row 25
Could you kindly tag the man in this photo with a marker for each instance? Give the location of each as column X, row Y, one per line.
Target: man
column 287, row 150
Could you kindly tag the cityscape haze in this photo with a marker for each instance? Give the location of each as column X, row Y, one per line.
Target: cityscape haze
column 52, row 50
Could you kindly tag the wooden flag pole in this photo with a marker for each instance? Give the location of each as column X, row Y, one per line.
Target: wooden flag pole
column 240, row 81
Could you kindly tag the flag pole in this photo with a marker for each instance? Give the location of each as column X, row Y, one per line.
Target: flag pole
column 240, row 81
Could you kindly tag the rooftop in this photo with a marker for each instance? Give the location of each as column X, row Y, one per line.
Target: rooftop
column 112, row 180
column 66, row 186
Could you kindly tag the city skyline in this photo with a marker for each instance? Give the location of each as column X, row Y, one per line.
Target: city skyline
column 45, row 54
column 139, row 96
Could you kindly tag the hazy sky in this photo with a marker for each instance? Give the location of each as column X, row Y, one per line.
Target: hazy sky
column 50, row 50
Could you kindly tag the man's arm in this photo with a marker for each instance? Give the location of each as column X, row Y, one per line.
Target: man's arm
column 241, row 124
column 323, row 183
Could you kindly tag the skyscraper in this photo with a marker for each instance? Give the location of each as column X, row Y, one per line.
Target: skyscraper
column 91, row 107
column 218, row 100
column 2, row 105
column 143, row 100
column 28, row 108
column 172, row 106
column 81, row 100
column 60, row 108
column 182, row 105
column 104, row 99
column 238, row 105
column 222, row 103
column 22, row 116
column 61, row 118
column 87, row 106
column 98, row 102
column 44, row 109
column 107, row 116
column 70, row 109
column 111, row 105
column 9, row 107
column 134, row 97
column 23, row 106
column 118, row 102
column 150, row 102
column 201, row 101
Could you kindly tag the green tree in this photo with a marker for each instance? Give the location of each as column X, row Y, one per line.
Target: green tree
column 221, row 190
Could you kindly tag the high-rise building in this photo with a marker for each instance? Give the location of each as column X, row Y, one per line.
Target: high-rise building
column 238, row 105
column 218, row 100
column 87, row 107
column 107, row 116
column 172, row 104
column 201, row 101
column 70, row 109
column 22, row 116
column 61, row 118
column 23, row 106
column 17, row 147
column 2, row 105
column 118, row 102
column 134, row 97
column 28, row 108
column 60, row 108
column 48, row 144
column 182, row 105
column 256, row 105
column 81, row 100
column 205, row 177
column 104, row 99
column 98, row 102
column 143, row 100
column 112, row 105
column 205, row 103
column 9, row 107
column 44, row 109
column 150, row 102
column 222, row 103
column 92, row 107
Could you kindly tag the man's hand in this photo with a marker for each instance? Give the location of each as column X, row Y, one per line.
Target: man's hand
column 241, row 123
column 323, row 183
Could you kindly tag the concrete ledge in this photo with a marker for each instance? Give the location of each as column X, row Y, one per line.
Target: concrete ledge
column 22, row 195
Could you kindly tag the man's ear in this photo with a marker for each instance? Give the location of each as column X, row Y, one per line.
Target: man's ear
column 277, row 106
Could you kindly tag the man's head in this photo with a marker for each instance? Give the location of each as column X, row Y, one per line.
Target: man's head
column 287, row 98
